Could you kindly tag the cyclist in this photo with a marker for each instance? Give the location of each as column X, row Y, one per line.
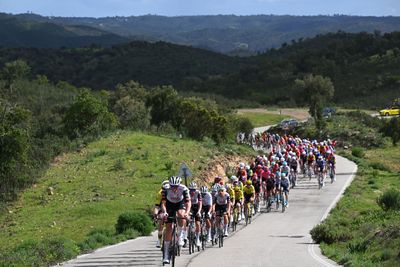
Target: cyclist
column 320, row 165
column 196, row 200
column 238, row 188
column 256, row 181
column 293, row 169
column 331, row 159
column 175, row 200
column 222, row 205
column 158, row 212
column 270, row 186
column 248, row 193
column 231, row 192
column 207, row 209
column 310, row 161
column 303, row 160
column 285, row 188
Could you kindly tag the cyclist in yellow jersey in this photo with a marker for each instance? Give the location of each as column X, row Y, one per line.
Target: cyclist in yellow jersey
column 238, row 196
column 248, row 193
column 157, row 211
column 231, row 192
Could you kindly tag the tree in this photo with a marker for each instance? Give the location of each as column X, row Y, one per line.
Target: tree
column 316, row 91
column 131, row 113
column 14, row 144
column 13, row 71
column 88, row 115
column 164, row 107
column 392, row 129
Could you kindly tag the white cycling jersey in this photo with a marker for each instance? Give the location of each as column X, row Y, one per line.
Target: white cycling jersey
column 178, row 194
column 207, row 199
column 195, row 197
column 221, row 200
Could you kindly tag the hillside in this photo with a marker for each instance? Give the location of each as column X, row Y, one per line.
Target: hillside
column 15, row 32
column 91, row 188
column 363, row 68
column 225, row 33
column 149, row 63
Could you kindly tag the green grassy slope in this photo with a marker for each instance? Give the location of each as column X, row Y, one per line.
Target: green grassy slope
column 92, row 187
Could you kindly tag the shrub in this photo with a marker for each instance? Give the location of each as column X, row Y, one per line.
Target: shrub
column 358, row 152
column 134, row 220
column 118, row 165
column 379, row 166
column 44, row 253
column 390, row 200
column 328, row 234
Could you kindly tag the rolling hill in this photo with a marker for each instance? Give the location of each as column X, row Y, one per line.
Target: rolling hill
column 227, row 33
column 15, row 32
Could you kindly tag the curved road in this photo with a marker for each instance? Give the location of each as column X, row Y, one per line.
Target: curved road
column 273, row 239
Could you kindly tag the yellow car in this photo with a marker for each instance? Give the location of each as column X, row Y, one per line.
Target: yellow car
column 393, row 111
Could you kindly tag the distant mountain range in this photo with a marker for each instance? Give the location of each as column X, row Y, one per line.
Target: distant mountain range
column 244, row 35
column 16, row 32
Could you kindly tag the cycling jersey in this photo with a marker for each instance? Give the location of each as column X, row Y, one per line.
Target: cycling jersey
column 207, row 199
column 176, row 194
column 195, row 197
column 239, row 194
column 221, row 200
column 311, row 158
column 248, row 190
column 158, row 198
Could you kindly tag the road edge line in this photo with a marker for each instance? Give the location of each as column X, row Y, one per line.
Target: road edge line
column 311, row 247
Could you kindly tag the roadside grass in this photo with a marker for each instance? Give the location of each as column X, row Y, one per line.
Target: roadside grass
column 358, row 232
column 259, row 119
column 388, row 158
column 85, row 192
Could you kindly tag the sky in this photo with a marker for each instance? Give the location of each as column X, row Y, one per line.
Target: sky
column 103, row 8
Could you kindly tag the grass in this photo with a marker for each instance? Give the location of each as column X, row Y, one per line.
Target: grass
column 360, row 232
column 389, row 157
column 263, row 118
column 94, row 186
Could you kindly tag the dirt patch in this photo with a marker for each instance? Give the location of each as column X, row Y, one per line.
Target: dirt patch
column 221, row 166
column 297, row 113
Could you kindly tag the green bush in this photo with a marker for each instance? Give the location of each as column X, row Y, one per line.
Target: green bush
column 134, row 220
column 44, row 253
column 358, row 152
column 328, row 234
column 390, row 200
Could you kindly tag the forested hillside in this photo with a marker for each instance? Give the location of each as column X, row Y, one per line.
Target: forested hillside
column 15, row 32
column 149, row 63
column 364, row 68
column 227, row 33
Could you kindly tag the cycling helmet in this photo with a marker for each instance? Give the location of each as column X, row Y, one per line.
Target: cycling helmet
column 241, row 165
column 328, row 152
column 294, row 158
column 247, row 167
column 204, row 189
column 310, row 153
column 215, row 188
column 284, row 163
column 165, row 184
column 193, row 185
column 282, row 159
column 221, row 188
column 304, row 153
column 175, row 180
column 289, row 157
column 249, row 182
column 234, row 178
column 283, row 174
column 319, row 157
column 236, row 188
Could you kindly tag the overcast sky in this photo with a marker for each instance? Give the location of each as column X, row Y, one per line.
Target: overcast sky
column 102, row 8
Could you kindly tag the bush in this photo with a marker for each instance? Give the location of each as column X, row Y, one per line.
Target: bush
column 328, row 234
column 390, row 200
column 379, row 166
column 44, row 253
column 134, row 220
column 358, row 152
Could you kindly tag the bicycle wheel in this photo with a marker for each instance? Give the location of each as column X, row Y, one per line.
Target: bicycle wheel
column 173, row 246
column 283, row 202
column 277, row 201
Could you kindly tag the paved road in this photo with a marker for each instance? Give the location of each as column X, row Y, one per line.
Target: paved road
column 273, row 239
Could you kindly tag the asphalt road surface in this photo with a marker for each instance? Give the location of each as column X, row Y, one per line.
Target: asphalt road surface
column 273, row 239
